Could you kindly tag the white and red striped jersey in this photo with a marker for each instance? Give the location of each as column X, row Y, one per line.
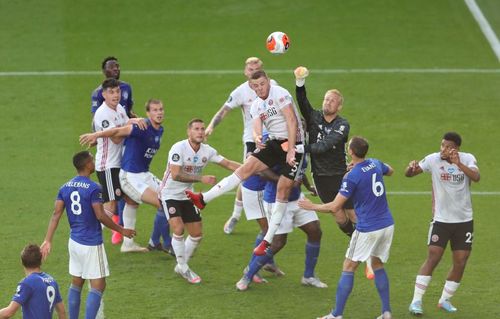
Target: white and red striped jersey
column 109, row 154
column 269, row 111
column 451, row 198
column 191, row 162
column 243, row 96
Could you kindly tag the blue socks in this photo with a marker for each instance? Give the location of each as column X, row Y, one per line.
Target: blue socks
column 382, row 283
column 257, row 263
column 258, row 240
column 312, row 253
column 344, row 289
column 74, row 296
column 161, row 228
column 93, row 303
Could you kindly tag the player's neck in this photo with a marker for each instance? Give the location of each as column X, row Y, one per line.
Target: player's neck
column 357, row 160
column 111, row 106
column 329, row 117
column 194, row 146
column 29, row 271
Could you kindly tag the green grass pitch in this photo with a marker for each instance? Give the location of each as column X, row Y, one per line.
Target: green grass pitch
column 402, row 112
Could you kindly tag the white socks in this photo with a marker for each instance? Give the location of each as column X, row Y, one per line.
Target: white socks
column 180, row 251
column 420, row 286
column 225, row 185
column 279, row 209
column 190, row 245
column 449, row 290
column 129, row 219
column 237, row 209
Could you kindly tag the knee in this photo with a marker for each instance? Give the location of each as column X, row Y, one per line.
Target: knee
column 278, row 243
column 314, row 235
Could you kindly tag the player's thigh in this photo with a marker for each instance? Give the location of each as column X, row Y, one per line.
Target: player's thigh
column 133, row 185
column 194, row 229
column 301, row 216
column 92, row 262
column 328, row 187
column 382, row 247
column 462, row 236
column 286, row 225
column 110, row 182
column 439, row 234
column 253, row 203
column 362, row 245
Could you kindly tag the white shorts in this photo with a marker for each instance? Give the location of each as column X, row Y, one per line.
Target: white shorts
column 253, row 205
column 294, row 217
column 134, row 184
column 376, row 243
column 87, row 262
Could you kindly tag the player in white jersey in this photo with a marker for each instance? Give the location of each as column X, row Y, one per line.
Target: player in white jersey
column 452, row 172
column 109, row 149
column 274, row 109
column 186, row 161
column 241, row 97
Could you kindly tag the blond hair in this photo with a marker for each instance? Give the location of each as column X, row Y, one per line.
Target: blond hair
column 337, row 92
column 253, row 60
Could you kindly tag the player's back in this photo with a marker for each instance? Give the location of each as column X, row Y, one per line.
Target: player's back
column 78, row 195
column 38, row 293
column 365, row 185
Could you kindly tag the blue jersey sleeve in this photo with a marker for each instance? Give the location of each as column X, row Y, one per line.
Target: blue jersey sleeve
column 58, row 297
column 136, row 131
column 96, row 196
column 60, row 195
column 23, row 293
column 96, row 100
column 348, row 186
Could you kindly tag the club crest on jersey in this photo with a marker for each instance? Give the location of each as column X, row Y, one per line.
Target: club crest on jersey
column 157, row 139
column 125, row 95
column 176, row 157
column 118, row 192
column 105, row 124
column 171, row 210
column 270, row 102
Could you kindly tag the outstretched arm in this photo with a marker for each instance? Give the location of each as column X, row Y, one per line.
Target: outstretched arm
column 10, row 310
column 300, row 92
column 334, row 206
column 230, row 165
column 218, row 117
column 90, row 139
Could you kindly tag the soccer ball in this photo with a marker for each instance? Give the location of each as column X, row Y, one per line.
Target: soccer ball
column 278, row 43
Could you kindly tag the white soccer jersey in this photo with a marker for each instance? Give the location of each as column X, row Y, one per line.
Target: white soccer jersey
column 191, row 162
column 451, row 199
column 243, row 96
column 109, row 154
column 269, row 111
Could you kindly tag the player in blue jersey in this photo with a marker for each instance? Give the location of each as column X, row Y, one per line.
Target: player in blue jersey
column 111, row 69
column 138, row 184
column 364, row 184
column 82, row 199
column 38, row 293
column 294, row 216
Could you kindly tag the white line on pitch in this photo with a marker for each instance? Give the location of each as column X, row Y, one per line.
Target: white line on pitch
column 485, row 27
column 270, row 71
column 413, row 193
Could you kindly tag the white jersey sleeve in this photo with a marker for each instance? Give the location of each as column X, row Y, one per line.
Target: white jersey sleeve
column 235, row 99
column 213, row 156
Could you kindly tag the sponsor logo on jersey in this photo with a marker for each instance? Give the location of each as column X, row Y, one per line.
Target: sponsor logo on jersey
column 105, row 124
column 176, row 157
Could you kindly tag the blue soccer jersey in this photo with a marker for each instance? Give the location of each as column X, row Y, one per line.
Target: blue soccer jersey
column 38, row 293
column 78, row 196
column 140, row 147
column 271, row 187
column 255, row 183
column 365, row 185
column 126, row 98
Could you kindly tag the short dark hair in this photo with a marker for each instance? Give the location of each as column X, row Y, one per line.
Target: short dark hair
column 359, row 146
column 110, row 83
column 152, row 101
column 195, row 120
column 258, row 74
column 106, row 60
column 80, row 159
column 453, row 137
column 31, row 256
